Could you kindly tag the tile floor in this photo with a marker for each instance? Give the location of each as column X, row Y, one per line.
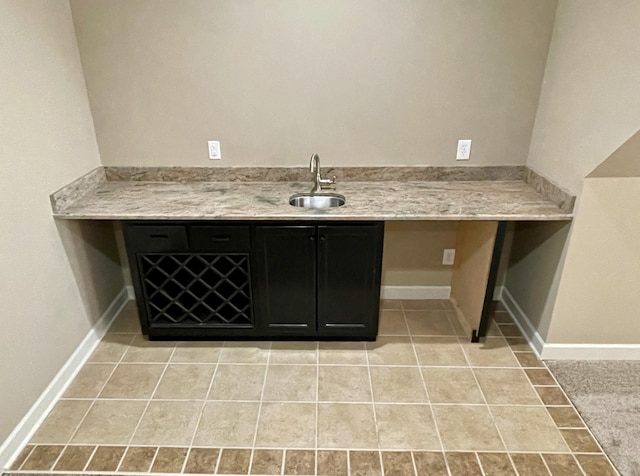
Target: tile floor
column 420, row 400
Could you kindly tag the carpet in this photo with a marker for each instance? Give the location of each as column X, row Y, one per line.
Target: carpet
column 607, row 395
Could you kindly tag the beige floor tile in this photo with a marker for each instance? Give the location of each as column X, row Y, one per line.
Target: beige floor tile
column 422, row 304
column 528, row 429
column 430, row 463
column 111, row 348
column 467, row 428
column 227, row 424
column 133, row 381
column 518, row 344
column 294, row 353
column 365, row 463
column 197, row 352
column 245, row 352
column 89, row 381
column 463, row 464
column 580, row 441
column 234, row 461
column 74, row 458
column 202, row 461
column 528, row 359
column 406, row 427
column 185, row 381
column 61, row 422
column 344, row 384
column 266, row 462
column 565, row 417
column 397, row 384
column 493, row 330
column 238, row 382
column 397, row 463
column 106, row 458
column 429, row 323
column 110, row 422
column 127, row 321
column 392, row 323
column 168, row 423
column 540, row 377
column 290, row 383
column 169, row 460
column 496, row 464
column 502, row 317
column 506, row 386
column 342, row 353
column 22, row 457
column 287, row 425
column 460, row 329
column 42, row 458
column 138, row 459
column 300, row 462
column 451, row 385
column 510, row 330
column 342, row 425
column 390, row 304
column 144, row 350
column 391, row 350
column 332, row 463
column 595, row 465
column 552, row 396
column 529, row 464
column 439, row 351
column 491, row 352
column 562, row 464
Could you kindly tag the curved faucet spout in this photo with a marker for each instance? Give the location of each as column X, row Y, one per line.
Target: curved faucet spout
column 318, row 181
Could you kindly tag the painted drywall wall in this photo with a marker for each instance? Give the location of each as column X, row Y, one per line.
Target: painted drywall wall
column 361, row 82
column 589, row 104
column 56, row 278
column 412, row 254
column 598, row 300
column 624, row 162
column 588, row 107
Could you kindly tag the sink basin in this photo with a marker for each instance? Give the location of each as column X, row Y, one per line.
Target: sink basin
column 325, row 200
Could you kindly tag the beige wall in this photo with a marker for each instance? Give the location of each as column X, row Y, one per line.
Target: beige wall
column 413, row 250
column 598, row 299
column 361, row 82
column 589, row 105
column 56, row 278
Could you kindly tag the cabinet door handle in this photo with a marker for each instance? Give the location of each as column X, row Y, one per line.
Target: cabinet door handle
column 312, row 238
column 322, row 237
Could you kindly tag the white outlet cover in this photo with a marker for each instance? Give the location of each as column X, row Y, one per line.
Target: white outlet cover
column 464, row 149
column 448, row 257
column 214, row 149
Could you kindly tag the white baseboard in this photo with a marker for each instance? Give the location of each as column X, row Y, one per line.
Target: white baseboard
column 522, row 321
column 41, row 408
column 565, row 351
column 497, row 293
column 130, row 292
column 591, row 352
column 415, row 292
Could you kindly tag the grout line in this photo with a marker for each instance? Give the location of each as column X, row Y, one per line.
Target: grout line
column 424, row 385
column 480, row 463
column 84, row 468
column 544, row 461
column 204, row 403
column 155, row 389
column 413, row 462
column 284, row 460
column 373, row 400
column 264, row 384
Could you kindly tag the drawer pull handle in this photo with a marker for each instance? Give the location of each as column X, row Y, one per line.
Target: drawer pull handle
column 162, row 237
column 220, row 238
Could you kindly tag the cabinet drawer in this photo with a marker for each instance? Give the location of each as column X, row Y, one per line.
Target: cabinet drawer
column 220, row 238
column 157, row 238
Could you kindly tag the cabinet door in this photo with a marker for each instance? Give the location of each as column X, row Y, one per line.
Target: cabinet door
column 285, row 263
column 349, row 266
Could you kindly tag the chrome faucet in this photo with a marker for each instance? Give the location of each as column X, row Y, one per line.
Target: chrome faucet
column 318, row 181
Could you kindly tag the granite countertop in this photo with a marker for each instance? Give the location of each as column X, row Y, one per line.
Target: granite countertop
column 398, row 193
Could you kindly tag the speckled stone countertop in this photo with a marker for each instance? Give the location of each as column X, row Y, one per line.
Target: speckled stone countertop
column 375, row 193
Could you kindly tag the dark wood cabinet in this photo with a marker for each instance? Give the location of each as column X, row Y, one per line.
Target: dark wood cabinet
column 272, row 280
column 285, row 264
column 320, row 280
column 349, row 265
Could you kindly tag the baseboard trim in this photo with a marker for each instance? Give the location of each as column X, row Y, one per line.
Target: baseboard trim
column 130, row 291
column 591, row 352
column 522, row 321
column 415, row 292
column 23, row 432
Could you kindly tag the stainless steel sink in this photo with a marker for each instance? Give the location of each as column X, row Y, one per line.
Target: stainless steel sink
column 324, row 200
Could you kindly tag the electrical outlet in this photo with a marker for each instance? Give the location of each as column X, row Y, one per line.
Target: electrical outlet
column 214, row 149
column 448, row 257
column 464, row 149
